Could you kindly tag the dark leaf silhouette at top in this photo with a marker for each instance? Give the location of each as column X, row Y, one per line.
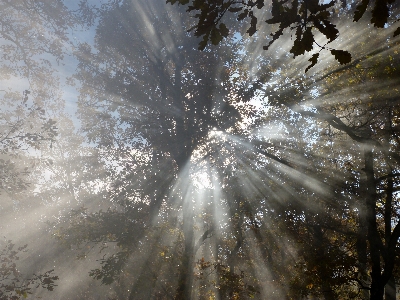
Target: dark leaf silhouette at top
column 360, row 10
column 304, row 42
column 380, row 13
column 301, row 16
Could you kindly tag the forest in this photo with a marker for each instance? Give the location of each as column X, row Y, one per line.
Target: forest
column 200, row 149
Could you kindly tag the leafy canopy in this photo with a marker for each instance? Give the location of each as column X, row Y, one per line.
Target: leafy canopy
column 305, row 18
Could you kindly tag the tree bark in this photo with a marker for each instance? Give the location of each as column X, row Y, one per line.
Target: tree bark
column 185, row 282
column 390, row 289
column 321, row 267
column 374, row 239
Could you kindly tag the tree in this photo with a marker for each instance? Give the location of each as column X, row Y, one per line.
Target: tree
column 24, row 128
column 155, row 102
column 258, row 203
column 33, row 41
column 13, row 285
column 303, row 18
column 32, row 38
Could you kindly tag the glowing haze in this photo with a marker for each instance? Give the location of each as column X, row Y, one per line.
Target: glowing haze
column 163, row 171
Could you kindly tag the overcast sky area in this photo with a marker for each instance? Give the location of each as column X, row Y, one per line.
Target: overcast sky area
column 136, row 166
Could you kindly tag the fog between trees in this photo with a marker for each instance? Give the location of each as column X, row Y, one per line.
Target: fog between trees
column 136, row 166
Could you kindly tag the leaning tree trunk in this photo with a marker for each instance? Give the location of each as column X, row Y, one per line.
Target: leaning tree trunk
column 390, row 289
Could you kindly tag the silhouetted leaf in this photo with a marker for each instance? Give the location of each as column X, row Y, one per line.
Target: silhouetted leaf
column 203, row 43
column 234, row 9
column 327, row 29
column 182, row 2
column 304, row 42
column 361, row 8
column 260, row 4
column 313, row 6
column 242, row 15
column 275, row 36
column 215, row 36
column 277, row 12
column 341, row 56
column 396, row 32
column 380, row 13
column 253, row 25
column 223, row 30
column 313, row 60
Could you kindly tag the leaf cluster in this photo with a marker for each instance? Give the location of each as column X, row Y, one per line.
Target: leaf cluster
column 304, row 17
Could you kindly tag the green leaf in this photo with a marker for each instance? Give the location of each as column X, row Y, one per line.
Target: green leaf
column 341, row 56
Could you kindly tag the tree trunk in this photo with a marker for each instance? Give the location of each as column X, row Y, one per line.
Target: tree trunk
column 361, row 241
column 185, row 282
column 390, row 289
column 361, row 248
column 321, row 267
column 377, row 290
column 374, row 239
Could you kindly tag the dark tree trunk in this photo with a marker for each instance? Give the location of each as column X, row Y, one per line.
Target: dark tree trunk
column 390, row 289
column 320, row 256
column 361, row 248
column 374, row 239
column 361, row 241
column 376, row 292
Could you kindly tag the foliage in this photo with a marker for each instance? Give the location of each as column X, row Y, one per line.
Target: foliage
column 306, row 19
column 32, row 37
column 224, row 173
column 290, row 208
column 13, row 285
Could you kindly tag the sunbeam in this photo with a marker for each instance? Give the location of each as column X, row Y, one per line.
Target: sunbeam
column 199, row 149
